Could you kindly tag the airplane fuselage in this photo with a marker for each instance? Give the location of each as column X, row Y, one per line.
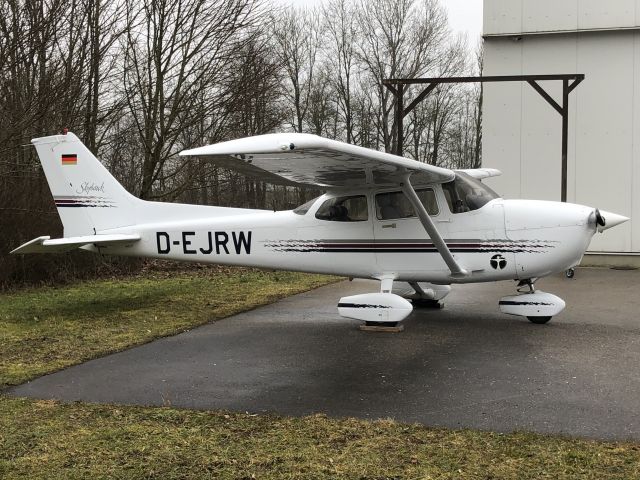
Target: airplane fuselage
column 502, row 240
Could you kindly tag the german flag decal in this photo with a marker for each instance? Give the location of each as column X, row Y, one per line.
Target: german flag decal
column 69, row 159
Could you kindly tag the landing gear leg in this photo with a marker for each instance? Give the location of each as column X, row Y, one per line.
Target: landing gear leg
column 423, row 302
column 527, row 286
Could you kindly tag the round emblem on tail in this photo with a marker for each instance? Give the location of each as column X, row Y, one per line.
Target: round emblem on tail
column 498, row 262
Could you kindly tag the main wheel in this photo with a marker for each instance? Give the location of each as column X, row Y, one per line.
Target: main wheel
column 423, row 303
column 539, row 320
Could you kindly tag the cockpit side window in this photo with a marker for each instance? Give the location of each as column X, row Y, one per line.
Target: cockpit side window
column 344, row 209
column 465, row 193
column 396, row 205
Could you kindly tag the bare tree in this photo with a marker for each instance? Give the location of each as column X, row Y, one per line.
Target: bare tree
column 43, row 59
column 177, row 56
column 321, row 108
column 430, row 123
column 297, row 36
column 462, row 135
column 342, row 31
column 479, row 97
column 252, row 108
column 400, row 38
column 104, row 25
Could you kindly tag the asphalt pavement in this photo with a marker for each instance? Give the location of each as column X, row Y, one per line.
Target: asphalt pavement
column 465, row 366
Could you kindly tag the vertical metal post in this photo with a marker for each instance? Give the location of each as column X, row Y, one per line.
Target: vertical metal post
column 399, row 120
column 565, row 138
column 398, row 87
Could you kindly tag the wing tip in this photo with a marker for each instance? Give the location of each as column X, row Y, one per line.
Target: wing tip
column 481, row 173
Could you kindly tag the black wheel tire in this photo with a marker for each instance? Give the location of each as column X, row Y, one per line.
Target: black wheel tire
column 422, row 303
column 539, row 320
column 381, row 324
column 570, row 273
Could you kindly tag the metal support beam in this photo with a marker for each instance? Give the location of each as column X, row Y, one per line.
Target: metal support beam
column 398, row 88
column 565, row 138
column 563, row 110
column 419, row 98
column 400, row 120
column 575, row 83
column 456, row 270
column 483, row 79
column 546, row 96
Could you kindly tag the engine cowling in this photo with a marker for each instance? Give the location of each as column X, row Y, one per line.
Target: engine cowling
column 375, row 307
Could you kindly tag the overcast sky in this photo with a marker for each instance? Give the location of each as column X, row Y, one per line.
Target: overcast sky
column 464, row 15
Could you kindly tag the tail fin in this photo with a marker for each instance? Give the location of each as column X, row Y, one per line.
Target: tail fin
column 87, row 196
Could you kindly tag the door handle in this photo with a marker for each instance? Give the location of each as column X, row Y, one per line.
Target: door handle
column 389, row 225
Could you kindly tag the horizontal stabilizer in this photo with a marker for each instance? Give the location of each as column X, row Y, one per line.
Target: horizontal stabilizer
column 61, row 245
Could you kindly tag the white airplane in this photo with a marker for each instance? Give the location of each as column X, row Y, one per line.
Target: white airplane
column 414, row 227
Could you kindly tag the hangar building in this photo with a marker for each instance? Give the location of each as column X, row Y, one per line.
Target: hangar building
column 522, row 133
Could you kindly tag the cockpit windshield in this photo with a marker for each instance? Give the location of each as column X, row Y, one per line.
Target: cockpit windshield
column 466, row 193
column 304, row 208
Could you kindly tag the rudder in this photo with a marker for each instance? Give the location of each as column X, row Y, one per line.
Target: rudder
column 88, row 198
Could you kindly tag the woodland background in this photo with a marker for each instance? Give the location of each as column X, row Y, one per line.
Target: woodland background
column 140, row 80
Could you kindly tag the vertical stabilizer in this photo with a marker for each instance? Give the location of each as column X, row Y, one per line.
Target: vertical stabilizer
column 88, row 198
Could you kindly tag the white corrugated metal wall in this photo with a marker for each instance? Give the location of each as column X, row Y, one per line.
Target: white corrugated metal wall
column 522, row 132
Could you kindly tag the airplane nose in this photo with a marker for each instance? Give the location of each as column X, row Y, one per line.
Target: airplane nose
column 610, row 220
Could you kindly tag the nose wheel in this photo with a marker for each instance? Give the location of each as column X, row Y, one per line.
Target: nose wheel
column 570, row 273
column 539, row 320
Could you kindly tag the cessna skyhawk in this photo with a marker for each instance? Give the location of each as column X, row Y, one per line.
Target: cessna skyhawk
column 400, row 221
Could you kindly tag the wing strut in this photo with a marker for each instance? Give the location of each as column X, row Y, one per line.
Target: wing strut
column 432, row 231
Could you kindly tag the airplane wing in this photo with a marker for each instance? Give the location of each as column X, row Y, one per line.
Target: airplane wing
column 304, row 159
column 480, row 173
column 61, row 245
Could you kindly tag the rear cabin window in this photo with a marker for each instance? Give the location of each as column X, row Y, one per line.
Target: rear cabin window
column 396, row 205
column 344, row 209
column 466, row 193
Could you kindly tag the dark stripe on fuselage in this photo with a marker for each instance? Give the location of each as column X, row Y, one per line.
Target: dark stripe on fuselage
column 406, row 250
column 83, row 205
column 406, row 246
column 511, row 302
column 360, row 305
column 410, row 249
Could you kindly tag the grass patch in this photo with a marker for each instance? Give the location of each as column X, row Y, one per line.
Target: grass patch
column 43, row 439
column 49, row 328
